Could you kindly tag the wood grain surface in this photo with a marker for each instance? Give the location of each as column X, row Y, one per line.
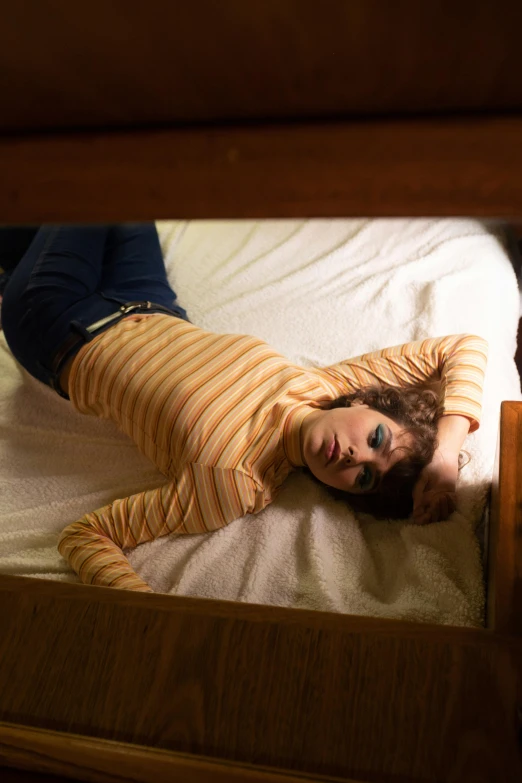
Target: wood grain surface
column 290, row 689
column 103, row 761
column 396, row 168
column 505, row 540
column 125, row 63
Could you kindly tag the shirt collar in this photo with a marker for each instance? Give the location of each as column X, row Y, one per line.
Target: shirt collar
column 292, row 433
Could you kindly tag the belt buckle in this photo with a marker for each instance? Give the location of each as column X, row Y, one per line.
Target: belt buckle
column 124, row 309
column 130, row 306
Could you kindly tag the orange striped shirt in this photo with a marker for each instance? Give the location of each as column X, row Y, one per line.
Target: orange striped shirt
column 220, row 416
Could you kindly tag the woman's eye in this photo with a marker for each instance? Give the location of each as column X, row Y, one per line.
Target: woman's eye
column 365, row 478
column 378, row 437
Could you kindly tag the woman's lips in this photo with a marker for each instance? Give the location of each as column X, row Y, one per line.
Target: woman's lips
column 333, row 451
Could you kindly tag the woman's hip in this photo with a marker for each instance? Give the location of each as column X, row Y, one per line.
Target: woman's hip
column 75, row 282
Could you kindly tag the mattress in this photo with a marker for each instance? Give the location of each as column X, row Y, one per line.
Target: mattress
column 318, row 291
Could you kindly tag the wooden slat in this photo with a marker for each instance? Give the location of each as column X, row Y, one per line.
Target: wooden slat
column 103, row 761
column 417, row 168
column 92, row 63
column 505, row 538
column 299, row 691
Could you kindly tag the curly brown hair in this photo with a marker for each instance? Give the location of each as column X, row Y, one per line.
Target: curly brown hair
column 417, row 412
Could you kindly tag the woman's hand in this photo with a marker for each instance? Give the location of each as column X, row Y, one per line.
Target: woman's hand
column 434, row 493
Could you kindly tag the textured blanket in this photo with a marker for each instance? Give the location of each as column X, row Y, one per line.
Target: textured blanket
column 318, row 291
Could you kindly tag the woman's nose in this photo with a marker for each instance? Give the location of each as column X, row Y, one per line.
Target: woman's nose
column 355, row 455
column 350, row 455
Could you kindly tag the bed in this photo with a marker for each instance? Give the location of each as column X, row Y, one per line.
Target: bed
column 318, row 291
column 279, row 110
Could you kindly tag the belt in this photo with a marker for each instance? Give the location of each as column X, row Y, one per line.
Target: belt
column 86, row 333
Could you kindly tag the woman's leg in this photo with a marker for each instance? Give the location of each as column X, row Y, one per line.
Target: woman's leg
column 134, row 270
column 72, row 277
column 61, row 268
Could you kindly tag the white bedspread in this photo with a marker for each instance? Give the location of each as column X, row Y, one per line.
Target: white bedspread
column 318, row 291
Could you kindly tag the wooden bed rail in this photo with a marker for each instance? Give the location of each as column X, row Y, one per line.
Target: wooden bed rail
column 504, row 603
column 104, row 761
column 417, row 168
column 298, row 691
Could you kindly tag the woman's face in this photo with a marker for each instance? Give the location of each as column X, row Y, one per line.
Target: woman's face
column 351, row 448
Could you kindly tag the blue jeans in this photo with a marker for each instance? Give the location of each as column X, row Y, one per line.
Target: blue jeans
column 71, row 277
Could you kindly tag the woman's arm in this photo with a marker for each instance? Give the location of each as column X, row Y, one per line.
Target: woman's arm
column 434, row 494
column 456, row 362
column 452, row 432
column 201, row 500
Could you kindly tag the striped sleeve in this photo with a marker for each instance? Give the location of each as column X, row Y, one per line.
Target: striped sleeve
column 458, row 362
column 202, row 500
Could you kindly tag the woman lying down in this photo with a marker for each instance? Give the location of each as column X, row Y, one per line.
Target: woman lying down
column 89, row 311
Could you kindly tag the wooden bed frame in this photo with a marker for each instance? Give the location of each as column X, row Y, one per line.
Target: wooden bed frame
column 105, row 685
